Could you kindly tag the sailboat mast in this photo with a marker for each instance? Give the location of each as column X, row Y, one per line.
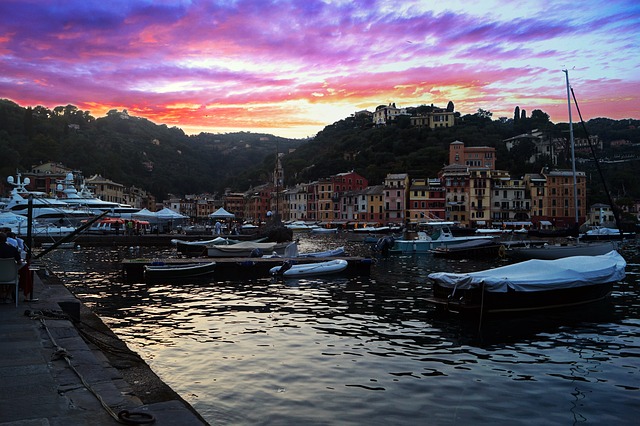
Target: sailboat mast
column 573, row 150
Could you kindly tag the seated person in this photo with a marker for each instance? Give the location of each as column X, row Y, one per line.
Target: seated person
column 8, row 251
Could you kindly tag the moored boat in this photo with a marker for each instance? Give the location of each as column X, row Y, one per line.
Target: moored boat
column 338, row 251
column 424, row 243
column 529, row 286
column 471, row 249
column 200, row 247
column 289, row 270
column 176, row 271
column 319, row 230
column 245, row 249
column 558, row 251
column 599, row 233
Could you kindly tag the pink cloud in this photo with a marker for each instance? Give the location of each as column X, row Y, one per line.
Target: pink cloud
column 92, row 53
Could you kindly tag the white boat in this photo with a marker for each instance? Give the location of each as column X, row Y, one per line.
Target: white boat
column 600, row 233
column 319, row 230
column 289, row 270
column 442, row 236
column 300, row 226
column 244, row 249
column 559, row 251
column 45, row 209
column 84, row 198
column 338, row 251
column 372, row 230
column 530, row 285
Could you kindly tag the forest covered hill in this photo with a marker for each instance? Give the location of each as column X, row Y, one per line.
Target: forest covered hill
column 164, row 160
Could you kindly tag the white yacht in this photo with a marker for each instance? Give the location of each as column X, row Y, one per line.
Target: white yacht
column 84, row 198
column 45, row 209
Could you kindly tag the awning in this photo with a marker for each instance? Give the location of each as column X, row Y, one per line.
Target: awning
column 545, row 223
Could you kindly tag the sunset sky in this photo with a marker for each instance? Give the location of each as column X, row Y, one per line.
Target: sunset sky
column 292, row 67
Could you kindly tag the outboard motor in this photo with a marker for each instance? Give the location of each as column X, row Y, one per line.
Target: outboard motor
column 383, row 245
column 286, row 265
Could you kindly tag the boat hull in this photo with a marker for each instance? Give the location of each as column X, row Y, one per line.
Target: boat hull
column 551, row 252
column 473, row 249
column 178, row 271
column 476, row 301
column 426, row 246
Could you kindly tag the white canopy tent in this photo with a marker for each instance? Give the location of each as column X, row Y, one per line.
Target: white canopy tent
column 221, row 213
column 168, row 214
column 144, row 214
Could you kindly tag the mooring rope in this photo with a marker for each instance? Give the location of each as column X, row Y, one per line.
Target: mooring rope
column 124, row 416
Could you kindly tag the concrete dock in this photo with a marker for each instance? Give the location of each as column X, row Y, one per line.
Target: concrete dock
column 65, row 367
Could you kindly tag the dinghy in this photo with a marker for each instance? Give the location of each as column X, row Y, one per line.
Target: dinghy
column 289, row 270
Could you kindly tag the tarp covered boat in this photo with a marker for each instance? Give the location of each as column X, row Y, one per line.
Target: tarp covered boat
column 530, row 285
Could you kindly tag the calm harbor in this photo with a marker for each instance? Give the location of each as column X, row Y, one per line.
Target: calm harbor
column 365, row 349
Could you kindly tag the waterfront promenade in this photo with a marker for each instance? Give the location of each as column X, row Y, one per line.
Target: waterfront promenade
column 65, row 367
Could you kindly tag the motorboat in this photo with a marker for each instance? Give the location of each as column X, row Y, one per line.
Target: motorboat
column 558, row 251
column 372, row 230
column 44, row 209
column 85, row 199
column 441, row 236
column 529, row 286
column 163, row 271
column 601, row 233
column 290, row 270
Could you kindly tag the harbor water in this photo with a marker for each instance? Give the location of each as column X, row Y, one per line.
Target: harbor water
column 369, row 350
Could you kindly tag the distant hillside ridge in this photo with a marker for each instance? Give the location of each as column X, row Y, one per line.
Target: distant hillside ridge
column 164, row 160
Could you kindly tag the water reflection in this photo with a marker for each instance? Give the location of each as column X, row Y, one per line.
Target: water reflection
column 365, row 348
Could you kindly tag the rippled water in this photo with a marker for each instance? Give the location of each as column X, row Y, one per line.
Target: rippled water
column 366, row 350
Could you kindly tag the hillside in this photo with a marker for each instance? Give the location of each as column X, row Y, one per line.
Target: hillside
column 131, row 150
column 163, row 160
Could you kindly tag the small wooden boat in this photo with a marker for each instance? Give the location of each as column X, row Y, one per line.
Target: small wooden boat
column 289, row 270
column 175, row 271
column 530, row 285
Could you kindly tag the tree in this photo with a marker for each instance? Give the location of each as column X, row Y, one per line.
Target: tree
column 516, row 114
column 523, row 115
column 450, row 106
column 481, row 113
